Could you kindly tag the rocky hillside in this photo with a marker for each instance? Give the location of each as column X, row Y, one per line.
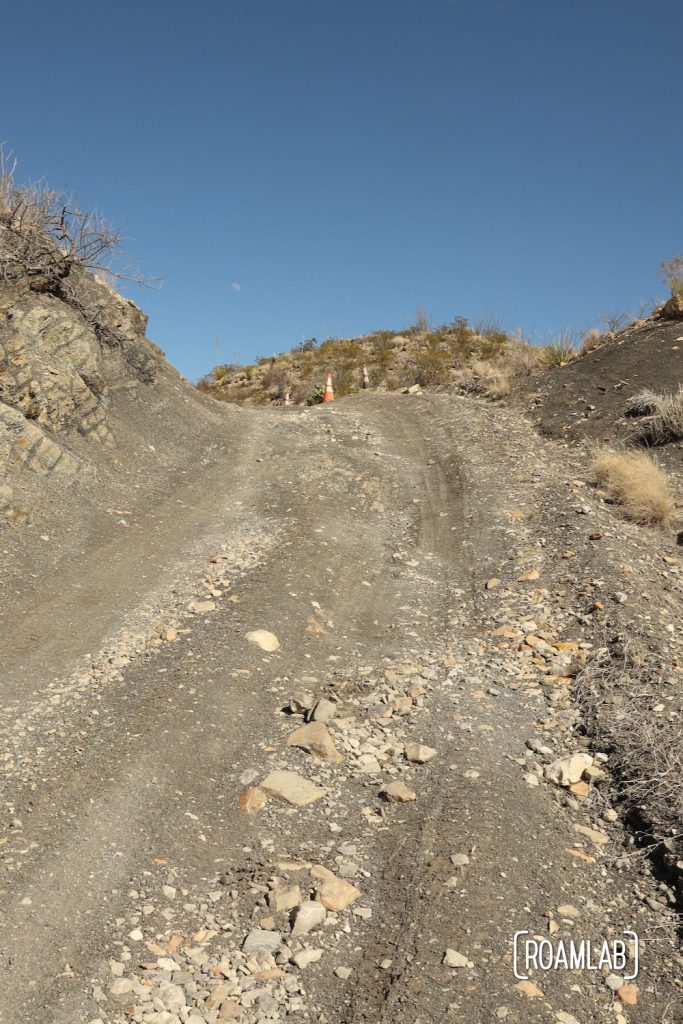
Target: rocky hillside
column 480, row 358
column 81, row 387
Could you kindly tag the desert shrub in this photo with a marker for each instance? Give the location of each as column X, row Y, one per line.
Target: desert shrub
column 521, row 358
column 592, row 339
column 635, row 482
column 560, row 351
column 666, row 423
column 620, row 696
column 671, row 272
column 487, row 378
column 645, row 403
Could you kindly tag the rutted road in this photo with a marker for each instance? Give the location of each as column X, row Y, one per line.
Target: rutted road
column 362, row 536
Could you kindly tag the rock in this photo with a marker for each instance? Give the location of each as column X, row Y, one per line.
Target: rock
column 460, row 860
column 610, row 815
column 419, row 753
column 599, row 838
column 169, row 634
column 172, row 996
column 565, row 1018
column 251, row 800
column 333, row 893
column 530, row 574
column 343, row 972
column 568, row 910
column 528, row 989
column 300, row 702
column 324, row 710
column 203, row 606
column 264, row 639
column 397, row 792
column 568, row 770
column 261, row 941
column 614, row 982
column 368, row 764
column 306, row 957
column 292, row 788
column 316, row 738
column 531, row 779
column 493, row 583
column 454, row 959
column 284, row 898
column 309, row 915
column 121, row 987
column 628, row 994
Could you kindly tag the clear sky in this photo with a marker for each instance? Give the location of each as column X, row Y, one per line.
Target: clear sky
column 299, row 168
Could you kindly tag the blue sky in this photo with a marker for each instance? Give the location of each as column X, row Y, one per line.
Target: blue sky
column 344, row 163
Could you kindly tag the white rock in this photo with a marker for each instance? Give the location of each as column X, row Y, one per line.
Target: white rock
column 568, row 770
column 307, row 917
column 343, row 972
column 260, row 940
column 306, row 957
column 264, row 639
column 324, row 710
column 454, row 959
column 419, row 753
column 292, row 788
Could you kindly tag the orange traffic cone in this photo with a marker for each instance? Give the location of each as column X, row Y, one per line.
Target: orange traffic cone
column 329, row 390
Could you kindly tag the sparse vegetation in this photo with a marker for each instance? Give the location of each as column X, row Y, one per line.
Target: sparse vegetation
column 645, row 403
column 621, row 702
column 635, row 482
column 560, row 351
column 593, row 339
column 671, row 273
column 665, row 424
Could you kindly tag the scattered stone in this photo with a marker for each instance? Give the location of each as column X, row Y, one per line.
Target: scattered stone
column 460, row 860
column 292, row 788
column 568, row 910
column 203, row 606
column 264, row 639
column 628, row 994
column 324, row 710
column 419, row 753
column 454, row 959
column 528, row 989
column 284, row 898
column 308, row 916
column 493, row 583
column 333, row 892
column 599, row 838
column 251, row 800
column 397, row 792
column 306, row 957
column 261, row 941
column 316, row 738
column 568, row 770
column 343, row 972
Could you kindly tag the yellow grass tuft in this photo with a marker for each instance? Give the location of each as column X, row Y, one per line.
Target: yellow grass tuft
column 637, row 483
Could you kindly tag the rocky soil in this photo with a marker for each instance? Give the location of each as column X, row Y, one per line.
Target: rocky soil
column 291, row 732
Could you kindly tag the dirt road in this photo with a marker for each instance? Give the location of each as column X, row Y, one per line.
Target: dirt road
column 402, row 549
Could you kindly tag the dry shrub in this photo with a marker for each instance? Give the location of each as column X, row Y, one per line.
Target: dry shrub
column 645, row 403
column 593, row 339
column 483, row 377
column 522, row 359
column 666, row 425
column 636, row 483
column 619, row 692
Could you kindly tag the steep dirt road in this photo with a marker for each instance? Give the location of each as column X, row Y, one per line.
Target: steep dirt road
column 362, row 535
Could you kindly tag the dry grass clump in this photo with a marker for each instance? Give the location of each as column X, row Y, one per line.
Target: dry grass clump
column 645, row 403
column 635, row 482
column 487, row 378
column 593, row 339
column 620, row 694
column 666, row 423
